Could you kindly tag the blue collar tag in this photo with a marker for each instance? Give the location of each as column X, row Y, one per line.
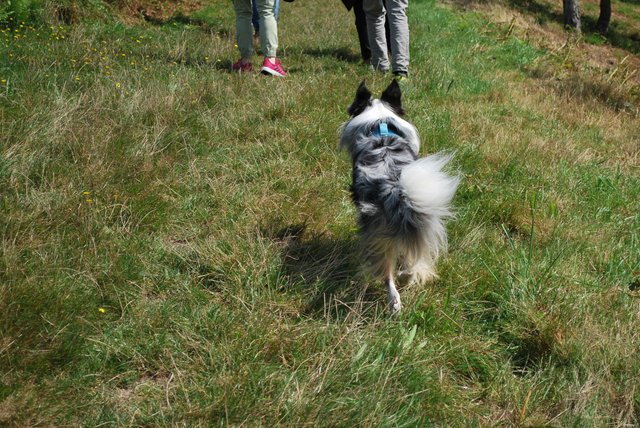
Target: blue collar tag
column 383, row 131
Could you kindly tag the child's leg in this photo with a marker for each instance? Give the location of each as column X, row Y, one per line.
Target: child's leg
column 268, row 27
column 244, row 29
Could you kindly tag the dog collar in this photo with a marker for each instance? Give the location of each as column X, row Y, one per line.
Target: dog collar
column 383, row 131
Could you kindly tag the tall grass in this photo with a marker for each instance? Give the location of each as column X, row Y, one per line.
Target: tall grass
column 178, row 241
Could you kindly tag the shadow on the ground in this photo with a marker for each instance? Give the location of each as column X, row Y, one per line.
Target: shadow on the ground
column 614, row 36
column 542, row 12
column 327, row 271
column 575, row 87
column 342, row 54
column 182, row 19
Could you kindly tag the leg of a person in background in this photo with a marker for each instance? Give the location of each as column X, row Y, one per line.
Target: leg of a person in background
column 268, row 28
column 244, row 32
column 399, row 26
column 361, row 27
column 269, row 38
column 255, row 18
column 387, row 30
column 374, row 9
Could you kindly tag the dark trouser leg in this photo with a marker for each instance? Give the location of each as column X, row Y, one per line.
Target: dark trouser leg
column 361, row 27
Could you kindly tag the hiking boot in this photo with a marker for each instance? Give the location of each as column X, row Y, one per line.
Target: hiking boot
column 273, row 68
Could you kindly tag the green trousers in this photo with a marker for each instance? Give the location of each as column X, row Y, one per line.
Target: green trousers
column 268, row 27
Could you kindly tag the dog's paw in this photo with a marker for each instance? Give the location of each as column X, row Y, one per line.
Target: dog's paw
column 394, row 302
column 394, row 308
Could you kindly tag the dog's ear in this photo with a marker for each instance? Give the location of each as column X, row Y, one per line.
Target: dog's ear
column 393, row 97
column 362, row 101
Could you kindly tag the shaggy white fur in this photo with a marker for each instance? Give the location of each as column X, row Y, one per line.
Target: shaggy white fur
column 403, row 201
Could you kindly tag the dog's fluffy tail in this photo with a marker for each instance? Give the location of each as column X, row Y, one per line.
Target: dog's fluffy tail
column 428, row 191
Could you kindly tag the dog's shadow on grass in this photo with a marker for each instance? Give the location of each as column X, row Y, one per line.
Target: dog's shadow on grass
column 326, row 270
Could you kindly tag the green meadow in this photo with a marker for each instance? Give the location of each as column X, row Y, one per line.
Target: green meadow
column 178, row 243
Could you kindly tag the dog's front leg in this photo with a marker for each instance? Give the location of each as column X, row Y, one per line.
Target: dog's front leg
column 392, row 294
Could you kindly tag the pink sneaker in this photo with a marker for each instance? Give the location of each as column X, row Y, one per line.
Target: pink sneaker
column 242, row 67
column 274, row 69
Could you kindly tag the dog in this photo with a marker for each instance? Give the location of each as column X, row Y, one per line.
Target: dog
column 402, row 200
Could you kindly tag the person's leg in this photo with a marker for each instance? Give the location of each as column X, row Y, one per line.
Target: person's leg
column 244, row 29
column 269, row 39
column 387, row 32
column 255, row 18
column 375, row 12
column 361, row 27
column 268, row 28
column 399, row 26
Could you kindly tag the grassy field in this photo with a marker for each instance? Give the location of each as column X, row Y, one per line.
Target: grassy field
column 178, row 241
